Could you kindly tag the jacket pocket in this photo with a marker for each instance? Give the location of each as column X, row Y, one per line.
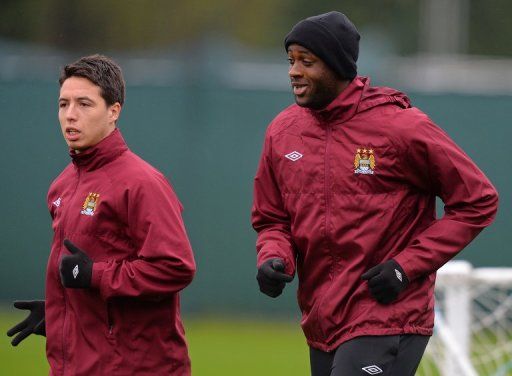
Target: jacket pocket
column 110, row 320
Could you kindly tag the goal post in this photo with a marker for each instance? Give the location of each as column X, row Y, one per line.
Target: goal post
column 473, row 325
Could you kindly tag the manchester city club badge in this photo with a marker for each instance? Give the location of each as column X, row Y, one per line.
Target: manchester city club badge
column 364, row 161
column 90, row 204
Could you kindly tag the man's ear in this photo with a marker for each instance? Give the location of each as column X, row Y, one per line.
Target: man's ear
column 113, row 112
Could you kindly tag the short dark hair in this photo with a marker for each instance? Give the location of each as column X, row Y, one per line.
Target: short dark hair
column 100, row 70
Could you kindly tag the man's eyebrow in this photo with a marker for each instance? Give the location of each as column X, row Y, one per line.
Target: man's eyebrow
column 78, row 98
column 303, row 52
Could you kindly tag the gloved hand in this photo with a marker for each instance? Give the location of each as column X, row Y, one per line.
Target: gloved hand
column 271, row 277
column 33, row 323
column 75, row 269
column 386, row 281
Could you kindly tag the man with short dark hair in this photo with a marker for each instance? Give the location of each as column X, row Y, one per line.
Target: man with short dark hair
column 120, row 253
column 345, row 195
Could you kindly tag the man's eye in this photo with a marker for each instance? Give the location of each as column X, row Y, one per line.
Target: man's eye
column 307, row 63
column 62, row 104
column 290, row 61
column 84, row 104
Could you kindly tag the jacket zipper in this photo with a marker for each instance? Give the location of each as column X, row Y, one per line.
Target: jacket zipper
column 110, row 321
column 64, row 294
column 327, row 182
column 327, row 199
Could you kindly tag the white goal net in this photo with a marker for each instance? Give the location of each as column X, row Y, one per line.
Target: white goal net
column 473, row 326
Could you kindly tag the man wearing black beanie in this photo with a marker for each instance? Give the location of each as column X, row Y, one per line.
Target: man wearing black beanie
column 345, row 195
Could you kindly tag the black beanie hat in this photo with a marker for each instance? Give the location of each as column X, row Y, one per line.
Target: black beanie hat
column 332, row 37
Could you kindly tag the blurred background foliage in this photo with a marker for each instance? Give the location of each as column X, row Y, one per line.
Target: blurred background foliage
column 79, row 25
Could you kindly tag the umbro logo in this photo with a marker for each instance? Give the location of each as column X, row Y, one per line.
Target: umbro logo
column 57, row 202
column 372, row 370
column 75, row 271
column 398, row 275
column 294, row 156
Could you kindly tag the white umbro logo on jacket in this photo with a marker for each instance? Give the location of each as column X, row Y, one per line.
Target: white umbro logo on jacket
column 294, row 156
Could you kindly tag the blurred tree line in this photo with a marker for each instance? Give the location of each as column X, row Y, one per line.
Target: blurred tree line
column 138, row 24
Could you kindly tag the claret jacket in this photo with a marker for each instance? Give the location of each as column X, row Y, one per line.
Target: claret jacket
column 345, row 188
column 124, row 214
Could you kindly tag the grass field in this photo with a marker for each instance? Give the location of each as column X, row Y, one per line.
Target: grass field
column 226, row 346
column 217, row 347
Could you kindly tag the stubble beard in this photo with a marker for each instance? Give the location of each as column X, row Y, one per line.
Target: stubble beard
column 324, row 94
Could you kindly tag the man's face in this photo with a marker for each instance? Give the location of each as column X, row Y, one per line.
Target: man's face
column 84, row 116
column 314, row 84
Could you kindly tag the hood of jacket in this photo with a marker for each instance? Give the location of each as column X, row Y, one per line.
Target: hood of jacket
column 100, row 154
column 359, row 96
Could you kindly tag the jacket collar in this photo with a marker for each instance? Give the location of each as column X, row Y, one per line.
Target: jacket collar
column 344, row 106
column 102, row 153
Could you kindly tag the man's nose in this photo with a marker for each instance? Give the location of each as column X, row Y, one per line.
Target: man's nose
column 294, row 70
column 71, row 112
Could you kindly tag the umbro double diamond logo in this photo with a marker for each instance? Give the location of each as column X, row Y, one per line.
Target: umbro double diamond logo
column 75, row 271
column 398, row 275
column 294, row 156
column 372, row 370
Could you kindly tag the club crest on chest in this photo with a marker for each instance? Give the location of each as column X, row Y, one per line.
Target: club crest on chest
column 90, row 204
column 364, row 161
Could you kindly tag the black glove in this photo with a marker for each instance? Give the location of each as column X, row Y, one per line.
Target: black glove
column 33, row 323
column 386, row 281
column 75, row 269
column 271, row 277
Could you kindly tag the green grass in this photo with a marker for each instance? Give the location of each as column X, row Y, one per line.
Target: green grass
column 247, row 348
column 217, row 347
column 28, row 358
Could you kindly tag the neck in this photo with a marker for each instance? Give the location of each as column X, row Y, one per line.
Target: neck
column 108, row 133
column 336, row 89
column 341, row 86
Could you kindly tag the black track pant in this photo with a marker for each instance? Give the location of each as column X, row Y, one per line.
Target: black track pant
column 397, row 355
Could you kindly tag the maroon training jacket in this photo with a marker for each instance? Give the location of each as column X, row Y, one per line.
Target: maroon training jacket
column 343, row 189
column 124, row 214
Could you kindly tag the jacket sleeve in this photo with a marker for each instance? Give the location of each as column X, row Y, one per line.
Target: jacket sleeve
column 164, row 262
column 269, row 217
column 433, row 163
